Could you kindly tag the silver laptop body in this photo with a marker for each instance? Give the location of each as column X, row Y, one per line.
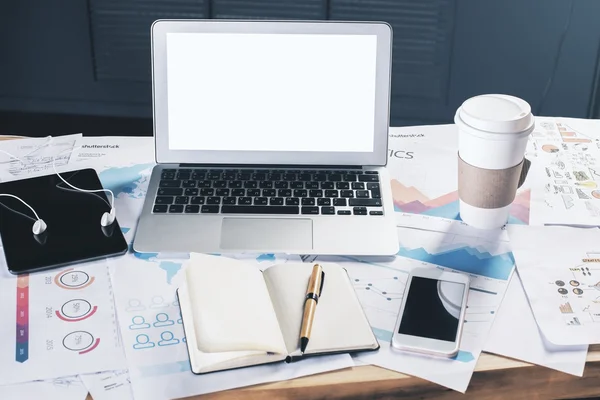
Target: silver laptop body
column 270, row 136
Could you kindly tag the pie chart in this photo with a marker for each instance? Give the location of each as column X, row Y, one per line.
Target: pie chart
column 550, row 148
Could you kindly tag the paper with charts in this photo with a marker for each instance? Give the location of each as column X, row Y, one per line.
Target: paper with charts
column 153, row 336
column 424, row 170
column 58, row 323
column 380, row 287
column 560, row 271
column 566, row 174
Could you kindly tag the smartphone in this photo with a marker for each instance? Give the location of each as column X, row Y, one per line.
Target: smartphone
column 432, row 313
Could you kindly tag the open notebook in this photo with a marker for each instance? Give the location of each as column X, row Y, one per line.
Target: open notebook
column 235, row 315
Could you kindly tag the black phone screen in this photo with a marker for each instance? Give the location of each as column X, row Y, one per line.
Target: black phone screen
column 432, row 309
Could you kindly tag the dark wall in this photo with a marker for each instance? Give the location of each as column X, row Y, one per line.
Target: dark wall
column 92, row 57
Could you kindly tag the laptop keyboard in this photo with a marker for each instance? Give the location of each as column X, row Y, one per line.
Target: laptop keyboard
column 268, row 191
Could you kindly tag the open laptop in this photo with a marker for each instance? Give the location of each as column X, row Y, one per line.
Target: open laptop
column 271, row 136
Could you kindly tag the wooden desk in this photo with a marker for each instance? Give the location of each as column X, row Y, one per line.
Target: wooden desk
column 494, row 378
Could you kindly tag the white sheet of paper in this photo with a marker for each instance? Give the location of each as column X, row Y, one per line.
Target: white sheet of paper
column 423, row 167
column 58, row 389
column 58, row 323
column 35, row 156
column 111, row 385
column 560, row 271
column 113, row 150
column 154, row 341
column 515, row 334
column 380, row 287
column 566, row 177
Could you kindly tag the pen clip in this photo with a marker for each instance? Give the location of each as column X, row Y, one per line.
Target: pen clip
column 322, row 281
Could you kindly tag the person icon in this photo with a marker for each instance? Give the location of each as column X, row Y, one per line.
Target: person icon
column 138, row 322
column 167, row 339
column 162, row 319
column 135, row 305
column 142, row 342
column 158, row 302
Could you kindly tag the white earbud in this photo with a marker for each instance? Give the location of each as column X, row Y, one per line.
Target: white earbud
column 39, row 227
column 108, row 217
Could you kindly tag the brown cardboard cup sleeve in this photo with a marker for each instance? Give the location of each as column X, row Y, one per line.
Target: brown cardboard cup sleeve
column 490, row 188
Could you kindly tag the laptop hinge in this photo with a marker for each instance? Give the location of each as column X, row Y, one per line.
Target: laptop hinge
column 270, row 166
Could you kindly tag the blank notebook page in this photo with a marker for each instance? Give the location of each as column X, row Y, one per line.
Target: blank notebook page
column 339, row 324
column 232, row 309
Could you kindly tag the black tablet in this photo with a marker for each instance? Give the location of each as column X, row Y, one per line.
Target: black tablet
column 73, row 234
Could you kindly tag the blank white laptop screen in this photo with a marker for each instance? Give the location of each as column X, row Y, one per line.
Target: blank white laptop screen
column 271, row 92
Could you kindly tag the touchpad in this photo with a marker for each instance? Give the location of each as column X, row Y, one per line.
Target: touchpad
column 266, row 234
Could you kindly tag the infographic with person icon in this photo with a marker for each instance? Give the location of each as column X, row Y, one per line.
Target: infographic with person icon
column 142, row 341
column 167, row 339
column 135, row 305
column 162, row 319
column 158, row 302
column 138, row 322
column 578, row 294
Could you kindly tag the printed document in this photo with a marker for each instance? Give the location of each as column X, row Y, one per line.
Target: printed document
column 560, row 271
column 380, row 287
column 515, row 334
column 69, row 388
column 154, row 341
column 58, row 323
column 111, row 385
column 566, row 172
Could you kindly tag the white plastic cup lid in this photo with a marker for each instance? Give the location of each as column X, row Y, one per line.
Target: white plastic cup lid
column 496, row 113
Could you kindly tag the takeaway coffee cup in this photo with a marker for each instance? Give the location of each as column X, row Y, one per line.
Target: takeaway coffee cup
column 493, row 130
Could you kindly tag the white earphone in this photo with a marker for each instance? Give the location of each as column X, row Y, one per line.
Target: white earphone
column 39, row 226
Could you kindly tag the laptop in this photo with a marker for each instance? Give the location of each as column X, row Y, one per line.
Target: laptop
column 270, row 137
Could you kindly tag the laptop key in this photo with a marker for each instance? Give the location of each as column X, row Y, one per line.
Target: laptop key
column 311, row 185
column 170, row 192
column 374, row 212
column 213, row 200
column 284, row 193
column 334, row 177
column 360, row 211
column 339, row 202
column 376, row 193
column 192, row 209
column 245, row 200
column 229, row 200
column 344, row 212
column 310, row 210
column 235, row 184
column 346, row 193
column 342, row 185
column 253, row 192
column 183, row 175
column 327, row 185
column 222, row 192
column 188, row 184
column 191, row 192
column 182, row 200
column 371, row 172
column 315, row 193
column 204, row 184
column 266, row 185
column 164, row 200
column 358, row 185
column 269, row 193
column 197, row 200
column 238, row 192
column 281, row 185
column 167, row 175
column 365, row 202
column 250, row 184
column 322, row 201
column 327, row 210
column 276, row 201
column 207, row 192
column 175, row 208
column 296, row 185
column 261, row 201
column 350, row 178
column 308, row 201
column 300, row 193
column 331, row 193
column 362, row 194
column 169, row 183
column 368, row 178
column 371, row 186
column 292, row 201
column 160, row 208
column 259, row 209
column 220, row 184
column 210, row 209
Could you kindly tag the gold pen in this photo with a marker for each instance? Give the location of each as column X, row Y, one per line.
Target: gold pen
column 313, row 292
